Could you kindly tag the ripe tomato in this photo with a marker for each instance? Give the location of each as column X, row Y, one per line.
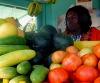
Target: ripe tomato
column 71, row 62
column 58, row 75
column 97, row 80
column 58, row 56
column 72, row 49
column 96, row 50
column 90, row 60
column 99, row 65
column 86, row 73
column 81, row 82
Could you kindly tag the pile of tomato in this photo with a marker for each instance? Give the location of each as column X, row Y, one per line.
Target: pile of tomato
column 75, row 66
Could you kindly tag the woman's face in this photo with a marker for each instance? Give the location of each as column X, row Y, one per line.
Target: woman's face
column 72, row 22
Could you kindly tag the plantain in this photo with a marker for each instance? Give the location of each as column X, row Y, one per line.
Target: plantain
column 30, row 8
column 53, row 1
column 34, row 8
column 37, row 9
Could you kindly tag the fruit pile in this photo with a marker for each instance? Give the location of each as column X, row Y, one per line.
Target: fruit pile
column 14, row 53
column 24, row 58
column 75, row 66
column 17, row 55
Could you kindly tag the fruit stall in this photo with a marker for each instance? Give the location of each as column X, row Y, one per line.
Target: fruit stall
column 45, row 56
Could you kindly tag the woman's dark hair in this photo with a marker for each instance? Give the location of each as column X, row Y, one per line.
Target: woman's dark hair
column 84, row 18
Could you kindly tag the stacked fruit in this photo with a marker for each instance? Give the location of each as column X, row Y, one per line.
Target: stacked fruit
column 75, row 65
column 13, row 51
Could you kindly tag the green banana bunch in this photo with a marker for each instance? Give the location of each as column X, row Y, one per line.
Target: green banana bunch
column 53, row 1
column 34, row 8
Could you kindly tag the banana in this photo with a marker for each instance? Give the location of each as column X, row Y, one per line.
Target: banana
column 53, row 1
column 34, row 8
column 30, row 8
column 49, row 1
column 35, row 11
column 38, row 9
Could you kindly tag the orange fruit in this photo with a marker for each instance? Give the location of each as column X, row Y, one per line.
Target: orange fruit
column 58, row 56
column 96, row 50
column 72, row 49
column 97, row 80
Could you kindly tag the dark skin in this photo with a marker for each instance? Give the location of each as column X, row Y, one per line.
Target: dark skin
column 78, row 24
column 72, row 23
column 73, row 26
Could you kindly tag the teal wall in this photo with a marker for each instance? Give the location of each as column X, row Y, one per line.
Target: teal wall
column 96, row 4
column 51, row 12
column 60, row 8
column 16, row 3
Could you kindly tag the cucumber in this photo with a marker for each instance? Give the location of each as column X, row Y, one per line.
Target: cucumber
column 1, row 81
column 39, row 74
column 17, row 79
column 5, row 80
column 8, row 72
column 24, row 67
column 15, row 57
column 13, row 40
column 9, row 48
